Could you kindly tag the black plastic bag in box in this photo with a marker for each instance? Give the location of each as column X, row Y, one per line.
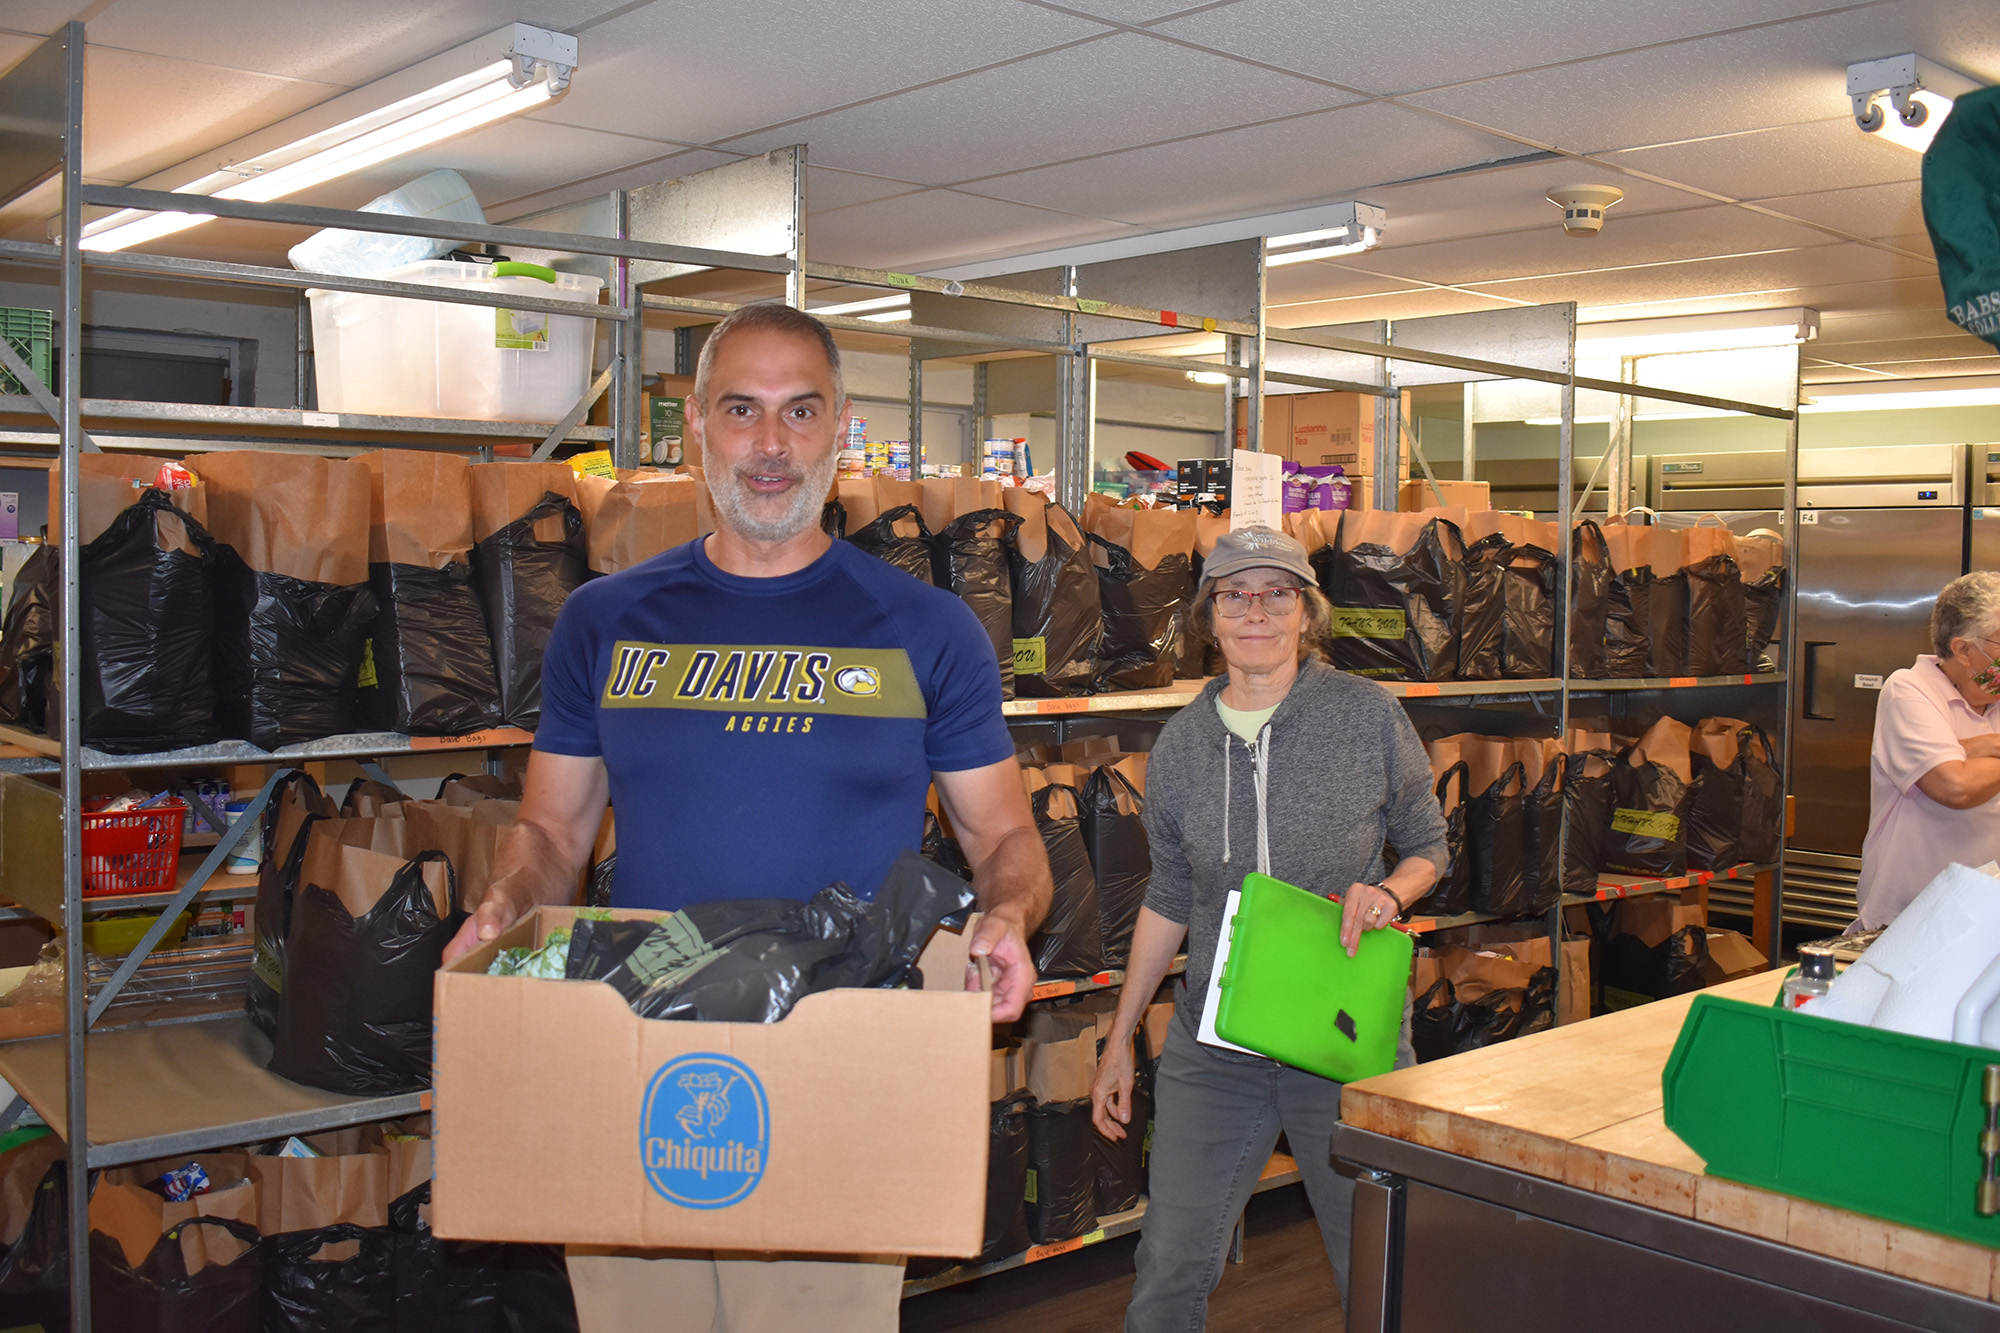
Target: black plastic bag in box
column 277, row 887
column 1121, row 860
column 1451, row 895
column 833, row 519
column 1482, row 609
column 1528, row 595
column 1717, row 643
column 973, row 564
column 1007, row 1179
column 912, row 555
column 1590, row 593
column 523, row 583
column 161, row 1296
column 1396, row 616
column 448, row 1286
column 1121, row 1166
column 1649, row 805
column 1496, row 837
column 338, row 1279
column 1058, row 619
column 355, row 1014
column 148, row 626
column 1541, row 852
column 1062, row 1172
column 34, row 1272
column 1671, row 967
column 1145, row 617
column 1071, row 940
column 28, row 641
column 429, row 666
column 1628, row 625
column 751, row 960
column 1764, row 607
column 1588, row 801
column 287, row 654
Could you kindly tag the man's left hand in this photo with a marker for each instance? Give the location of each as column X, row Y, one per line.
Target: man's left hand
column 999, row 940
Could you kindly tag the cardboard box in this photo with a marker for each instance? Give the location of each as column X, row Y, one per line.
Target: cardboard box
column 1159, row 1017
column 1275, row 433
column 1332, row 428
column 858, row 1124
column 1655, row 917
column 1731, row 956
column 1415, row 495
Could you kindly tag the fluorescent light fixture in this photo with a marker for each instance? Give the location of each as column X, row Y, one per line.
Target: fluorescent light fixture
column 1208, row 377
column 1919, row 94
column 1692, row 414
column 533, row 71
column 888, row 317
column 1368, row 239
column 1728, row 332
column 1903, row 395
column 866, row 309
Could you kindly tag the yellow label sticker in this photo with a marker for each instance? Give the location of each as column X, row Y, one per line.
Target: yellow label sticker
column 1031, row 656
column 902, row 280
column 1646, row 824
column 1090, row 307
column 1368, row 622
column 1030, row 1193
column 367, row 679
column 595, row 464
column 521, row 330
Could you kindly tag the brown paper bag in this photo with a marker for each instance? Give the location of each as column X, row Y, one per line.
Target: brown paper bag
column 1706, row 539
column 943, row 499
column 1386, row 527
column 1637, row 546
column 1037, row 517
column 865, row 498
column 291, row 514
column 470, row 835
column 504, row 492
column 359, row 875
column 1715, row 738
column 307, row 1193
column 107, row 484
column 371, row 799
column 419, row 509
column 1308, row 527
column 1151, row 535
column 1208, row 530
column 470, row 789
column 636, row 516
column 1758, row 553
column 1665, row 743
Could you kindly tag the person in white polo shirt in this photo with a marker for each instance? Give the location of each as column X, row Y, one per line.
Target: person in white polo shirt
column 1934, row 774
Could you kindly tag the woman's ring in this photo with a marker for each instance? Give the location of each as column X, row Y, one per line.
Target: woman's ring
column 1374, row 911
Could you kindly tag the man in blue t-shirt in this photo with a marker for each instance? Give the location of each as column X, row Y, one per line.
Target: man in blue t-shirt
column 765, row 708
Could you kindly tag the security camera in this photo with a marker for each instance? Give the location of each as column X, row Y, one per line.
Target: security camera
column 1583, row 206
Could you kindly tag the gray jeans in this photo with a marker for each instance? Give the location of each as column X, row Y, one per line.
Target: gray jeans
column 1216, row 1121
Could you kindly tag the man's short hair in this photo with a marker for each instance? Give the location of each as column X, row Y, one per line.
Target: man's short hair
column 775, row 317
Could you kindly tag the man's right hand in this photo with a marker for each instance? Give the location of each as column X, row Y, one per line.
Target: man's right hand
column 496, row 912
column 1111, row 1091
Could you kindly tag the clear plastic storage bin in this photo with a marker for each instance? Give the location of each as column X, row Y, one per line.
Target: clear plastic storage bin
column 397, row 356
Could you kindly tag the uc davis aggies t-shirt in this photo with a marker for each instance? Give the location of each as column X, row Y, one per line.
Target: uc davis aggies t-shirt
column 766, row 737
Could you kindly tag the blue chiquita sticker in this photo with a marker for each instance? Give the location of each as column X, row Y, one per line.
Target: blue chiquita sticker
column 705, row 1131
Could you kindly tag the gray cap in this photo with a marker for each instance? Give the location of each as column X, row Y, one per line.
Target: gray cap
column 1257, row 548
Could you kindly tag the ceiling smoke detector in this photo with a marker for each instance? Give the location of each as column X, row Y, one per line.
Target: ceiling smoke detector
column 1583, row 206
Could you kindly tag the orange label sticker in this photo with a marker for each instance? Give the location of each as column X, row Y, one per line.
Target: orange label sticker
column 1679, row 682
column 1421, row 691
column 1062, row 706
column 474, row 740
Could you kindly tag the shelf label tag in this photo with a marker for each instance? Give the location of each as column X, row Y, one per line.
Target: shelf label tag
column 1867, row 682
column 329, row 420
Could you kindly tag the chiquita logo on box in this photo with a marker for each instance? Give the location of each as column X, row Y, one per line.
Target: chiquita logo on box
column 705, row 1131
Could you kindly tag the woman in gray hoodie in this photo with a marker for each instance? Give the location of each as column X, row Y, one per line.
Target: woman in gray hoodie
column 1289, row 767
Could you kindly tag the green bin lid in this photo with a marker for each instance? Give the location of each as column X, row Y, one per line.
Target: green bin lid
column 1962, row 211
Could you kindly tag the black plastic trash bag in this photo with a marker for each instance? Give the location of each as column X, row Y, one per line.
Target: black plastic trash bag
column 603, row 874
column 751, row 960
column 1443, row 1025
column 1541, row 851
column 355, row 1014
column 833, row 520
column 1714, row 828
column 1007, row 1179
column 970, row 559
column 34, row 1272
column 1669, row 604
column 1496, row 837
column 1649, row 805
column 338, row 1279
column 1452, row 894
column 1434, row 1022
column 1482, row 609
column 1528, row 595
column 1764, row 607
column 1071, row 940
column 911, row 554
column 944, row 851
column 1587, row 797
column 287, row 654
column 1145, row 617
column 597, row 945
column 1671, row 967
column 278, row 886
column 1590, row 596
column 1062, row 1174
column 28, row 642
column 1763, row 798
column 1121, row 860
column 523, row 583
column 1717, row 643
column 428, row 670
column 1628, row 625
column 448, row 1286
column 1396, row 617
column 161, row 1296
column 1058, row 614
column 148, row 625
column 1121, row 1166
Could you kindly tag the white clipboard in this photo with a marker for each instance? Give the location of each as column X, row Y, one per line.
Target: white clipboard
column 1213, row 997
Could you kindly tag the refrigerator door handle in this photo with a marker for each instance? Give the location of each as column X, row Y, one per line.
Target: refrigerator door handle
column 1819, row 682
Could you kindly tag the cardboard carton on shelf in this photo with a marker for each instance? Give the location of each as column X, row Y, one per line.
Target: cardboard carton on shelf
column 1274, row 435
column 1417, row 494
column 858, row 1124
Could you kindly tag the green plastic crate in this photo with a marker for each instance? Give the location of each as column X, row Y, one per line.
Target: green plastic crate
column 1875, row 1122
column 32, row 333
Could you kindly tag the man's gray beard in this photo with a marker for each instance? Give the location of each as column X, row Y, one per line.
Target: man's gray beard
column 732, row 504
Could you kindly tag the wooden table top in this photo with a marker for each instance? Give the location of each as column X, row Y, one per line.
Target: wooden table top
column 1582, row 1104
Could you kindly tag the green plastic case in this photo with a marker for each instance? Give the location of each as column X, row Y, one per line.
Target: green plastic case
column 1289, row 991
column 1875, row 1122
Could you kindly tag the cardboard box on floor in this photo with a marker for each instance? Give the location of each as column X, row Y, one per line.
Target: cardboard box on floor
column 1731, row 956
column 858, row 1124
column 1656, row 916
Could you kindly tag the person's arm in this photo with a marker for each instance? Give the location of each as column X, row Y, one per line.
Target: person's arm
column 1961, row 784
column 988, row 810
column 1416, row 829
column 1155, row 941
column 562, row 804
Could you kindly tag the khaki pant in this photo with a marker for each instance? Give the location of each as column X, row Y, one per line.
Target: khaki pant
column 729, row 1291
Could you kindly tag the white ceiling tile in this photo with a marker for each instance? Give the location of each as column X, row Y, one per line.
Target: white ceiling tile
column 1398, row 48
column 1898, row 349
column 1791, row 159
column 1858, row 322
column 43, row 17
column 1326, row 279
column 1788, row 74
column 828, row 189
column 1821, row 265
column 928, row 230
column 1103, row 96
column 1873, row 211
column 1133, row 11
column 647, row 170
column 1510, row 198
column 1333, row 155
column 145, row 113
column 1394, row 305
column 703, row 73
column 1972, row 365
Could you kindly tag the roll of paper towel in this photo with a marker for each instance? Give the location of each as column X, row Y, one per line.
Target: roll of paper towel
column 1911, row 978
